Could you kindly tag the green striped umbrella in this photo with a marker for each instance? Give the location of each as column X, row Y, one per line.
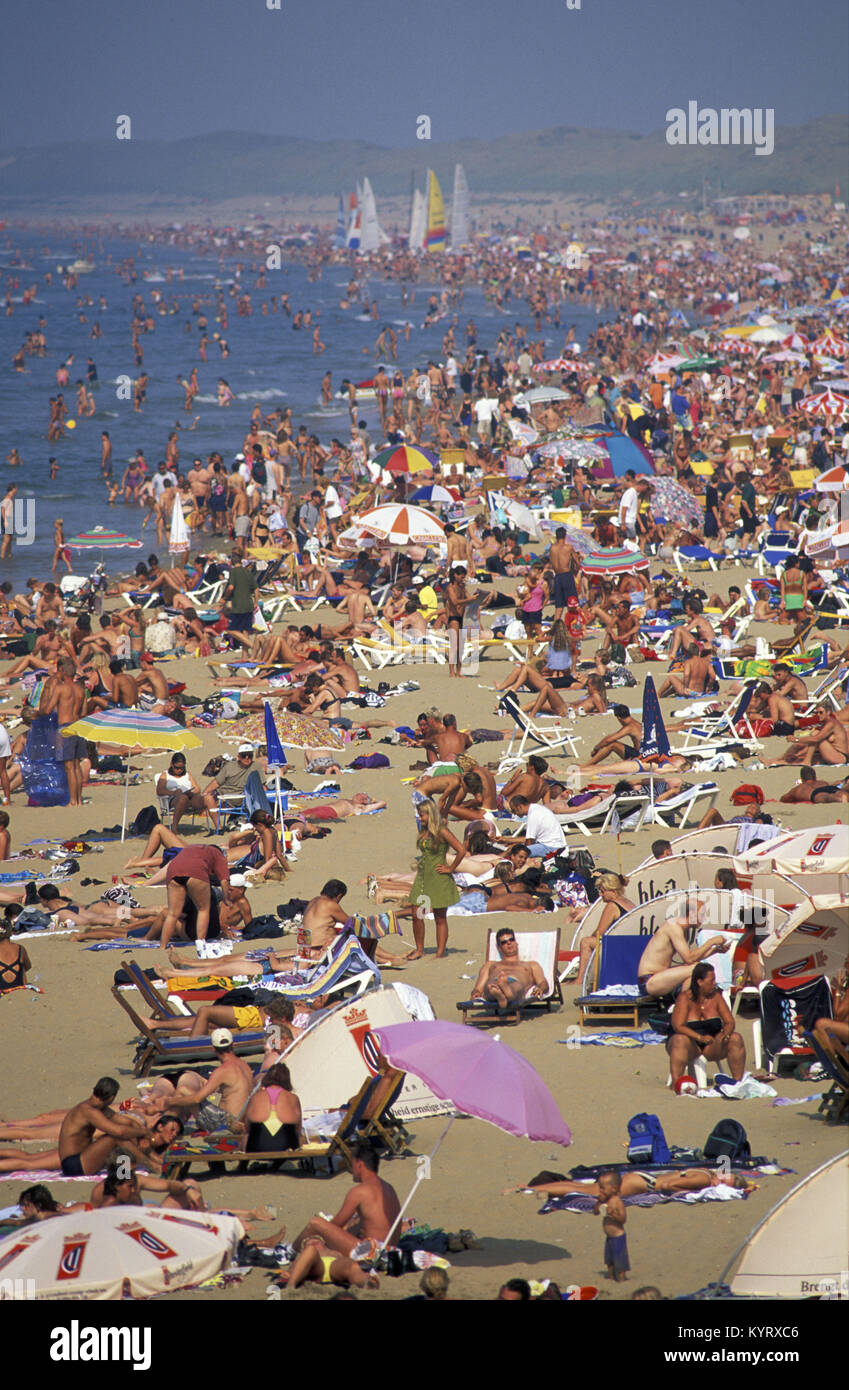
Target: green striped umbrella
column 103, row 538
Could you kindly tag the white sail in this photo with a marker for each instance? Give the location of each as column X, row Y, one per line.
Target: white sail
column 371, row 235
column 417, row 222
column 460, row 210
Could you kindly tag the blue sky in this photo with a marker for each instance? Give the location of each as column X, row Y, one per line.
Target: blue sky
column 365, row 71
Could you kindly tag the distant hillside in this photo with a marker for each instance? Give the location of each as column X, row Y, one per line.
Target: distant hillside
column 809, row 158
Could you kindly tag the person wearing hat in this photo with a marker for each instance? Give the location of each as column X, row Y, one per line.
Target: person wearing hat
column 232, row 1080
column 426, row 595
column 230, row 781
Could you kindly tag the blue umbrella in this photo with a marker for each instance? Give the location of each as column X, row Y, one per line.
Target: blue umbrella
column 655, row 740
column 276, row 760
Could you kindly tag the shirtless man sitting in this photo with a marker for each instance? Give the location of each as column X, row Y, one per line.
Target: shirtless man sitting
column 526, row 781
column 368, row 1213
column 697, row 626
column 623, row 741
column 656, row 975
column 509, row 980
column 447, row 745
column 697, row 677
column 621, row 625
column 79, row 1151
column 232, row 1079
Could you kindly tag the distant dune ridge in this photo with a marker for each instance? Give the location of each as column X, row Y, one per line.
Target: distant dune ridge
column 808, row 158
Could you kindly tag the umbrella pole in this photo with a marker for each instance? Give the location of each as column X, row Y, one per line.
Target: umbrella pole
column 425, row 1172
column 126, row 796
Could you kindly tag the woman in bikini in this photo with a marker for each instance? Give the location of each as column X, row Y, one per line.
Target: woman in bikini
column 611, row 889
column 702, row 1026
column 14, row 961
column 273, row 1114
column 794, row 591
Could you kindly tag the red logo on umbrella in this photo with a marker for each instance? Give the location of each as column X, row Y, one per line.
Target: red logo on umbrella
column 357, row 1023
column 152, row 1244
column 73, row 1254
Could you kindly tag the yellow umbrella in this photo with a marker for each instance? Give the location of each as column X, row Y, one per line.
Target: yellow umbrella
column 132, row 728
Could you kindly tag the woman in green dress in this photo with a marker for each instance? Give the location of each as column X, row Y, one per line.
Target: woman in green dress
column 433, row 888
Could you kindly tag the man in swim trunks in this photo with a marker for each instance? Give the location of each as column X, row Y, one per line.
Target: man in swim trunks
column 564, row 563
column 624, row 740
column 79, row 1152
column 696, row 679
column 447, row 744
column 811, row 788
column 359, row 804
column 656, row 975
column 509, row 980
column 368, row 1213
column 232, row 1079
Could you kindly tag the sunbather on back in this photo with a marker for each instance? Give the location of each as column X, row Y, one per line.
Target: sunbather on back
column 509, row 979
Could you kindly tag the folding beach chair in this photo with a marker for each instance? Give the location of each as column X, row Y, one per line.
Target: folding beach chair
column 596, row 819
column 548, row 740
column 835, row 1103
column 788, row 1012
column 713, row 731
column 544, row 948
column 696, row 557
column 827, row 691
column 665, row 812
column 181, row 1156
column 615, row 962
column 181, row 1050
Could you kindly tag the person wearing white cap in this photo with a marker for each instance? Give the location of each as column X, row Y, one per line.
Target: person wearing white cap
column 232, row 1079
column 230, row 781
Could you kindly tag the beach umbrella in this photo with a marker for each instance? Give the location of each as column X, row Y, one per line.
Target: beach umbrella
column 786, row 355
column 616, row 560
column 796, row 342
column 556, row 364
column 831, row 404
column 526, row 434
column 178, row 541
column 622, row 453
column 674, row 501
column 654, row 743
column 830, row 345
column 302, row 731
column 118, row 727
column 436, row 494
column 355, row 537
column 798, row 1250
column 830, row 546
column 833, row 480
column 119, row 1252
column 399, row 523
column 813, row 940
column 406, row 458
column 103, row 538
column 538, row 395
column 275, row 757
column 480, row 1076
column 821, row 850
column 663, row 362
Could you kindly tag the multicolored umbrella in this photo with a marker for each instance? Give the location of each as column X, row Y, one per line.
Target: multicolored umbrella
column 406, row 458
column 102, row 538
column 293, row 731
column 120, row 1252
column 604, row 562
column 675, row 502
column 129, row 728
column 829, row 403
column 400, row 524
column 436, row 494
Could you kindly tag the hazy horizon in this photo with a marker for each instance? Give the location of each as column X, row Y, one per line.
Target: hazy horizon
column 333, row 72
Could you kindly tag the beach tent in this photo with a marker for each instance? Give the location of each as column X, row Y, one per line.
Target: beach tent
column 798, row 1250
column 622, row 453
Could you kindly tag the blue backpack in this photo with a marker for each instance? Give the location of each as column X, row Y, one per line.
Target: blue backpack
column 646, row 1140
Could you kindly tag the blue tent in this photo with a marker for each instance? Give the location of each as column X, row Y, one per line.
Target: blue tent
column 623, row 453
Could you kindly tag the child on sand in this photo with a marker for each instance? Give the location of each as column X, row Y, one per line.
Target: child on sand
column 612, row 1209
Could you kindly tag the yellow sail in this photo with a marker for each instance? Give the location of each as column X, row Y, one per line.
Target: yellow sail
column 435, row 231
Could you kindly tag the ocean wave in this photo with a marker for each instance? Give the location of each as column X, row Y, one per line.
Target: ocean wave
column 265, row 394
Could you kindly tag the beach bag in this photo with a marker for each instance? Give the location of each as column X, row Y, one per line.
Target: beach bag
column 646, row 1140
column 144, row 822
column 747, row 795
column 761, row 728
column 728, row 1139
column 265, row 926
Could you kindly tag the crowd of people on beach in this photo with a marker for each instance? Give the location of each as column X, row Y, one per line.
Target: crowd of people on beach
column 575, row 573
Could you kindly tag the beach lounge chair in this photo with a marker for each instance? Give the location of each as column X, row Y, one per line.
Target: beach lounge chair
column 835, row 1103
column 787, row 1013
column 664, row 812
column 714, row 730
column 597, row 819
column 180, row 1050
column 696, row 557
column 615, row 963
column 827, row 691
column 554, row 740
column 544, row 948
column 344, row 966
column 361, row 1119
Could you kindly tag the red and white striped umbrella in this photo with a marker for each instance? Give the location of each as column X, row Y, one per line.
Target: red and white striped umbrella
column 796, row 342
column 555, row 364
column 400, row 524
column 738, row 347
column 829, row 345
column 828, row 403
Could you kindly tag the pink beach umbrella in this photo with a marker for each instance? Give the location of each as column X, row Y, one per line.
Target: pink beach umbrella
column 480, row 1076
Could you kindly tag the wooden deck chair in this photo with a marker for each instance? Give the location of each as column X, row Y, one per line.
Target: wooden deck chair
column 544, row 948
column 181, row 1050
column 182, row 1156
column 835, row 1103
column 378, row 1120
column 546, row 740
column 615, row 962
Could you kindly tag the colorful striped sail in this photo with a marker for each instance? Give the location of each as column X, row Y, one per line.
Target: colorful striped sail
column 435, row 229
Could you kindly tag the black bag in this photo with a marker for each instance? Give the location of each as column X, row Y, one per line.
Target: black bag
column 244, row 996
column 266, row 926
column 144, row 822
column 728, row 1140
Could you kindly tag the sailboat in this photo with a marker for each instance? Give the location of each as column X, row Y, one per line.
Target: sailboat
column 353, row 239
column 341, row 237
column 418, row 215
column 372, row 234
column 460, row 210
column 434, row 239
